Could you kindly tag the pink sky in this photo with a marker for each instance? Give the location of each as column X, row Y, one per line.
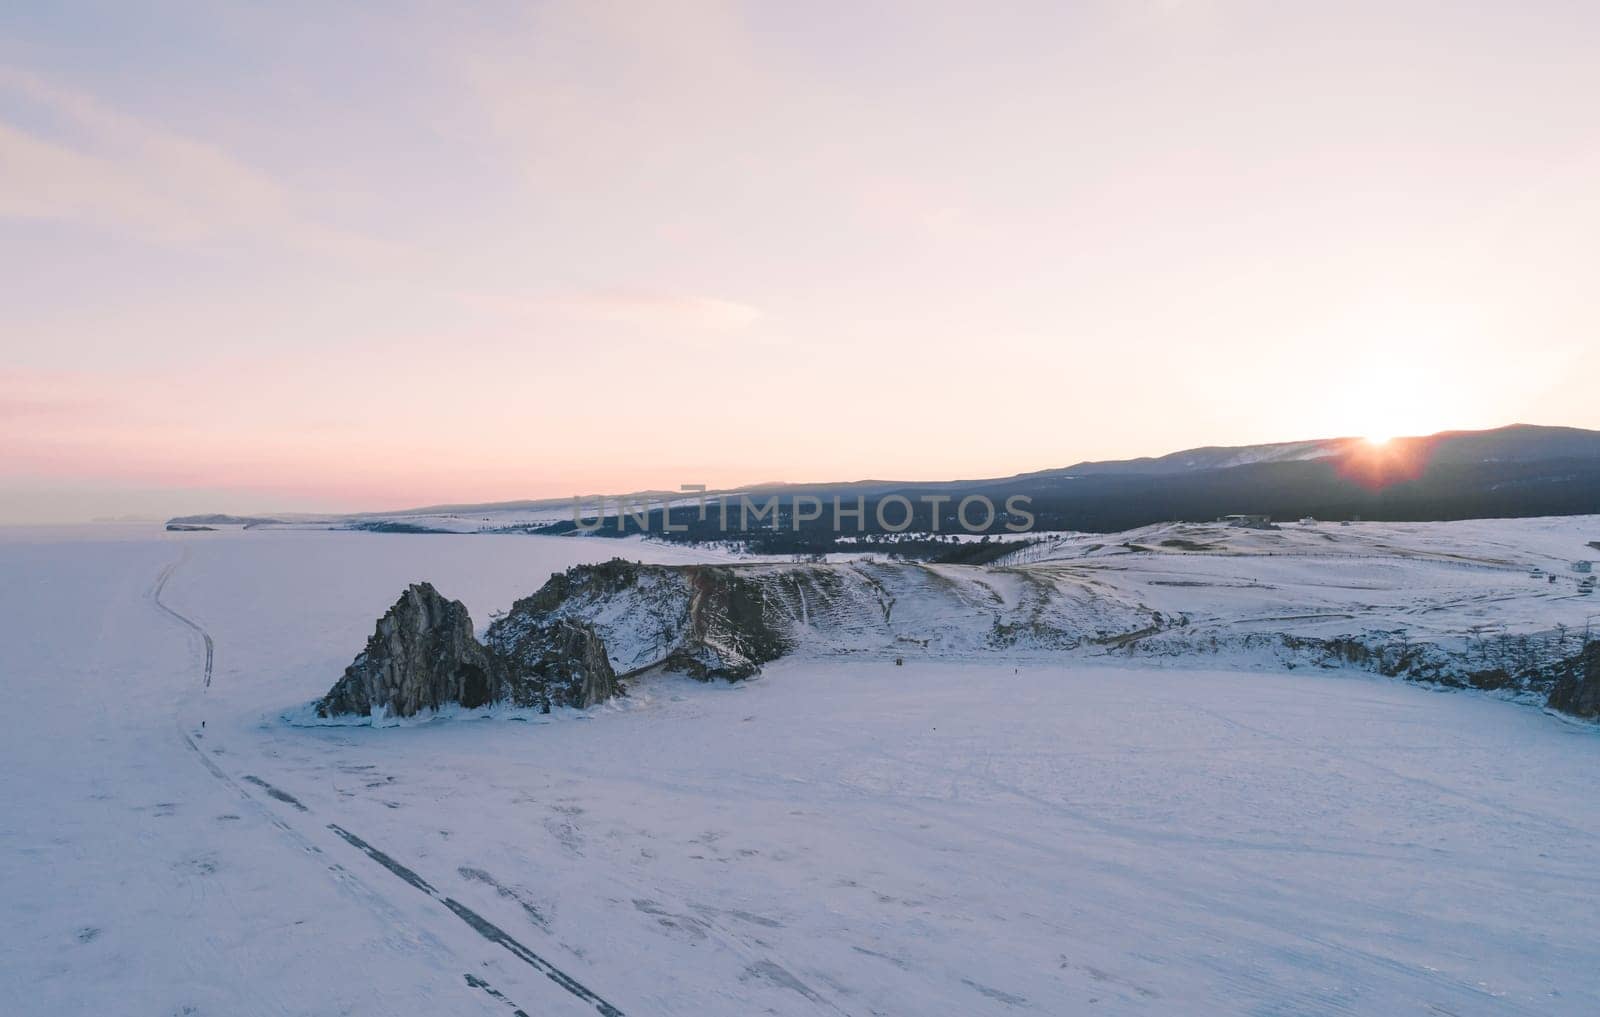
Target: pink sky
column 256, row 260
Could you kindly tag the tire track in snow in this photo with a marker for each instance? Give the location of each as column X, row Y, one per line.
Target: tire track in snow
column 161, row 584
column 347, row 880
column 272, row 792
column 478, row 983
column 488, row 930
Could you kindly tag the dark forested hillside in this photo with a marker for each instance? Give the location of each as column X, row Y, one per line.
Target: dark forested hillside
column 1515, row 471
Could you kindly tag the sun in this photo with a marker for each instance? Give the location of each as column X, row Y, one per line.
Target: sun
column 1378, row 440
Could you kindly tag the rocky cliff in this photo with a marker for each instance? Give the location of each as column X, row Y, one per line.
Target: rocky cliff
column 726, row 621
column 560, row 663
column 708, row 621
column 1577, row 691
column 423, row 655
column 567, row 644
column 584, row 632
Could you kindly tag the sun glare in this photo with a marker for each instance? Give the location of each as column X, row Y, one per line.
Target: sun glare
column 1378, row 440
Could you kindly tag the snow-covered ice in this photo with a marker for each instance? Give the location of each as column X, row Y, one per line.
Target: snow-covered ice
column 978, row 836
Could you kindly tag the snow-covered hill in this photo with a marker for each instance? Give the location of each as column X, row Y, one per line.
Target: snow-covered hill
column 1220, row 457
column 1498, row 605
column 1447, row 582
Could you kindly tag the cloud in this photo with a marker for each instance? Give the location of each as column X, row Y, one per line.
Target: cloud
column 673, row 309
column 634, row 307
column 104, row 167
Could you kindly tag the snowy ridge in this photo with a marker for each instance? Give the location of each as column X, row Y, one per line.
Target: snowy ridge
column 1218, row 457
column 1496, row 603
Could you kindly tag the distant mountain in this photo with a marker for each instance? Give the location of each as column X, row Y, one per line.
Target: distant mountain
column 1518, row 442
column 1521, row 470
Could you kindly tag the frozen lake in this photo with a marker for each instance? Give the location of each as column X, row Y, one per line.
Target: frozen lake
column 841, row 836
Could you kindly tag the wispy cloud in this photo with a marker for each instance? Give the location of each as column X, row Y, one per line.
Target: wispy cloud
column 681, row 312
column 649, row 308
column 102, row 166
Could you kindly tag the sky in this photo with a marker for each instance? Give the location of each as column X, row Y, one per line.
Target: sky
column 326, row 257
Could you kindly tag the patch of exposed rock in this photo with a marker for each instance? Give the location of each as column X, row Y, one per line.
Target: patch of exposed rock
column 562, row 663
column 705, row 620
column 1577, row 691
column 423, row 656
column 566, row 644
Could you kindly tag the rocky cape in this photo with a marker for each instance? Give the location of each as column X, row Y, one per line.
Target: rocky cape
column 576, row 641
column 423, row 656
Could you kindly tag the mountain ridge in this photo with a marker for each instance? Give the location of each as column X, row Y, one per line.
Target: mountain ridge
column 1517, row 470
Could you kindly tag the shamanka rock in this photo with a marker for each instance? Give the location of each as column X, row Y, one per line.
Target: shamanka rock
column 422, row 655
column 551, row 648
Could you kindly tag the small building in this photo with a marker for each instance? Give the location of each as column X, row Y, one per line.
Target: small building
column 1308, row 521
column 1582, row 566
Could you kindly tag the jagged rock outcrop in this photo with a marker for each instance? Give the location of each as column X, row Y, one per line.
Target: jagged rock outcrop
column 1577, row 691
column 563, row 663
column 423, row 656
column 574, row 641
column 705, row 620
column 733, row 626
column 727, row 621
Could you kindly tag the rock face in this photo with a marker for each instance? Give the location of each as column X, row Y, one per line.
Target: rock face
column 1577, row 691
column 551, row 648
column 708, row 621
column 422, row 655
column 563, row 663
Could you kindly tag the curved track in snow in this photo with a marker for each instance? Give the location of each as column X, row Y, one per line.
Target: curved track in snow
column 161, row 584
column 487, row 930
